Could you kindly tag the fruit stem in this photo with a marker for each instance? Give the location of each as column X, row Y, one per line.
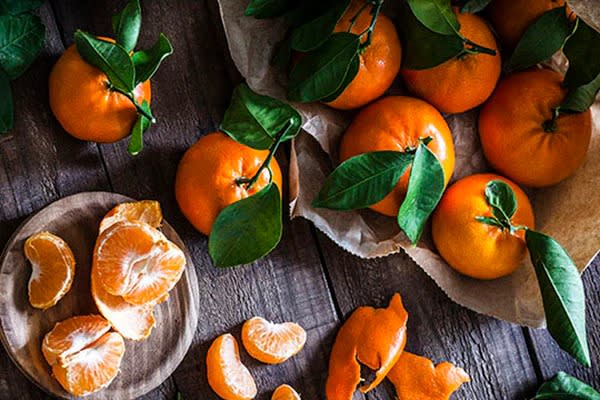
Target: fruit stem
column 138, row 107
column 550, row 125
column 272, row 150
column 474, row 48
column 355, row 17
column 377, row 4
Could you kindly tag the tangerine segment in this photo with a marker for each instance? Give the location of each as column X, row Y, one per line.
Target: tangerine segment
column 397, row 123
column 272, row 343
column 147, row 211
column 137, row 262
column 93, row 368
column 53, row 269
column 285, row 392
column 415, row 378
column 227, row 376
column 131, row 321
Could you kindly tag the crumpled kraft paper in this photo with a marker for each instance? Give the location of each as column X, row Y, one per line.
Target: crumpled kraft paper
column 569, row 211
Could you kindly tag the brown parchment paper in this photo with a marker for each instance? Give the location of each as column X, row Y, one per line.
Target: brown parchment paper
column 569, row 211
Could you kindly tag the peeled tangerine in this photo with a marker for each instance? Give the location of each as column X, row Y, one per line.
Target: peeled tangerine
column 272, row 343
column 285, row 392
column 53, row 269
column 84, row 355
column 227, row 376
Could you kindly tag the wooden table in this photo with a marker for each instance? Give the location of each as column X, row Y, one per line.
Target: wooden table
column 307, row 279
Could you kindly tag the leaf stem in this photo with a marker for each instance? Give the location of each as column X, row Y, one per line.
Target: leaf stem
column 377, row 5
column 474, row 48
column 138, row 107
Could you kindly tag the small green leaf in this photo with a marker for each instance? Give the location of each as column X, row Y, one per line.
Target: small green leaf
column 321, row 72
column 127, row 25
column 583, row 51
column 110, row 58
column 502, row 199
column 147, row 61
column 581, row 98
column 423, row 48
column 268, row 8
column 562, row 294
column 436, row 15
column 21, row 40
column 362, row 180
column 543, row 38
column 314, row 33
column 136, row 142
column 247, row 229
column 16, row 7
column 490, row 221
column 474, row 6
column 566, row 387
column 6, row 104
column 350, row 74
column 425, row 188
column 255, row 120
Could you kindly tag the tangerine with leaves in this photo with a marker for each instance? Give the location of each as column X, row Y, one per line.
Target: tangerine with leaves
column 526, row 137
column 211, row 176
column 472, row 246
column 270, row 342
column 466, row 80
column 398, row 123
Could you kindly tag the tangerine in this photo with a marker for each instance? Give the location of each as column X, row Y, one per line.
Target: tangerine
column 272, row 343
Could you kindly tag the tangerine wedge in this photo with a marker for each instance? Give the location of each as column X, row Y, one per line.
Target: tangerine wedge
column 53, row 269
column 272, row 343
column 285, row 392
column 147, row 211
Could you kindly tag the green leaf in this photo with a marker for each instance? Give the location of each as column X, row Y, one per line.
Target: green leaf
column 425, row 188
column 136, row 142
column 21, row 40
column 127, row 25
column 322, row 72
column 583, row 51
column 350, row 74
column 581, row 98
column 543, row 38
column 436, row 15
column 490, row 221
column 314, row 33
column 255, row 120
column 566, row 387
column 16, row 7
column 6, row 104
column 474, row 6
column 110, row 58
column 268, row 8
column 362, row 180
column 146, row 62
column 502, row 199
column 562, row 294
column 247, row 229
column 423, row 48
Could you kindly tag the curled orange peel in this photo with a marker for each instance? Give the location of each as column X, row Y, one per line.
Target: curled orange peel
column 416, row 378
column 374, row 337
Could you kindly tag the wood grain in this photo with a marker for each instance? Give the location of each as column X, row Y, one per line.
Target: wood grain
column 145, row 364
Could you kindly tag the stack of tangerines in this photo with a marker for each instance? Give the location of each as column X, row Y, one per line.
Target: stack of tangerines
column 134, row 268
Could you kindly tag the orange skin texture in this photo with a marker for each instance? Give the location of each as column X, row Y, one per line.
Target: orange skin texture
column 395, row 123
column 474, row 248
column 379, row 62
column 513, row 137
column 462, row 83
column 83, row 104
column 206, row 177
column 374, row 337
column 415, row 378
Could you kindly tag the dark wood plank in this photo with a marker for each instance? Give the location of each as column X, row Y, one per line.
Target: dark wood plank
column 492, row 352
column 190, row 94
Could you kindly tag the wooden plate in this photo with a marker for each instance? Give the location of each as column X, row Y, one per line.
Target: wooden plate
column 145, row 364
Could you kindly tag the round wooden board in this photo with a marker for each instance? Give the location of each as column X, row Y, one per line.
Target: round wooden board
column 145, row 364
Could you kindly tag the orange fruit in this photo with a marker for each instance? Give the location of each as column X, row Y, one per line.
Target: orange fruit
column 137, row 262
column 52, row 269
column 84, row 356
column 415, row 378
column 85, row 106
column 474, row 248
column 511, row 19
column 147, row 211
column 272, row 343
column 285, row 392
column 227, row 376
column 379, row 62
column 395, row 123
column 206, row 177
column 518, row 138
column 462, row 82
